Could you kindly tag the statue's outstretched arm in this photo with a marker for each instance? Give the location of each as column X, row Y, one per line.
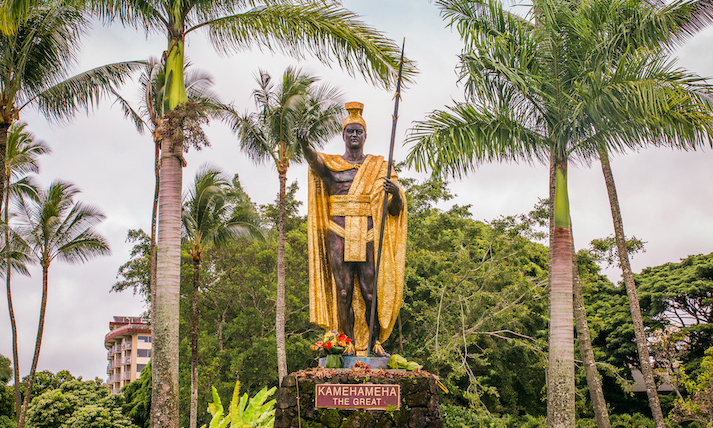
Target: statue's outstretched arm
column 313, row 158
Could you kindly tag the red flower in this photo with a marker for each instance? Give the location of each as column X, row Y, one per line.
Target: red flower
column 328, row 345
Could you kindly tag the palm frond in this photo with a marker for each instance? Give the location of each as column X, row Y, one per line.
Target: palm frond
column 207, row 215
column 14, row 252
column 129, row 112
column 149, row 15
column 324, row 30
column 55, row 226
column 39, row 53
column 22, row 151
column 84, row 246
column 455, row 142
column 84, row 90
column 481, row 18
column 253, row 140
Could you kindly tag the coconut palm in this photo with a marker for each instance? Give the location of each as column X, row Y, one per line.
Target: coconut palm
column 14, row 12
column 21, row 156
column 150, row 113
column 35, row 61
column 539, row 91
column 55, row 227
column 270, row 134
column 208, row 221
column 322, row 28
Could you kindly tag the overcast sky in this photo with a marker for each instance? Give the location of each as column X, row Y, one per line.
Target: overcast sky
column 666, row 197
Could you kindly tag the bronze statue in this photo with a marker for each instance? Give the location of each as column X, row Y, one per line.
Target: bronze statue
column 345, row 208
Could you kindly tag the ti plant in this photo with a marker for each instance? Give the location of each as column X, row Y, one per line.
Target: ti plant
column 243, row 412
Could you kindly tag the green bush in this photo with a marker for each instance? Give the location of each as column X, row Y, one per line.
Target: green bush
column 243, row 411
column 463, row 417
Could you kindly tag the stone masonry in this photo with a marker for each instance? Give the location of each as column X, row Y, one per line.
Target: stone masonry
column 419, row 406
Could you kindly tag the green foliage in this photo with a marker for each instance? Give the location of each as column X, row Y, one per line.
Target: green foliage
column 5, row 370
column 462, row 417
column 681, row 295
column 605, row 249
column 236, row 330
column 98, row 416
column 243, row 411
column 47, row 381
column 237, row 303
column 612, row 334
column 270, row 212
column 7, row 394
column 135, row 274
column 675, row 307
column 697, row 406
column 474, row 312
column 626, row 420
column 78, row 403
column 137, row 397
column 474, row 305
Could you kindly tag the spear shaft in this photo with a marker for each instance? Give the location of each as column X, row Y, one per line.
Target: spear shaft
column 394, row 119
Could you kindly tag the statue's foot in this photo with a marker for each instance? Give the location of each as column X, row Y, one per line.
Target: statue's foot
column 379, row 351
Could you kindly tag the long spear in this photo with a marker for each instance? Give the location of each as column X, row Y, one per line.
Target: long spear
column 394, row 119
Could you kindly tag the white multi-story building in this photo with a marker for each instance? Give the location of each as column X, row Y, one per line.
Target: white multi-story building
column 128, row 347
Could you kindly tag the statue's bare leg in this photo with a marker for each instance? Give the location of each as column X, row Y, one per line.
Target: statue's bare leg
column 366, row 273
column 344, row 278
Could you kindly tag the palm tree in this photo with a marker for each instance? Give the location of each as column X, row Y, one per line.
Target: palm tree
column 35, row 61
column 55, row 227
column 690, row 130
column 322, row 28
column 21, row 156
column 539, row 91
column 208, row 221
column 271, row 134
column 149, row 115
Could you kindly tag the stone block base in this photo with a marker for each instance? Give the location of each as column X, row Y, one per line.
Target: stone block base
column 419, row 406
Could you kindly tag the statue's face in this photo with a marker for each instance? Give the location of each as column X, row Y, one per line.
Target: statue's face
column 354, row 136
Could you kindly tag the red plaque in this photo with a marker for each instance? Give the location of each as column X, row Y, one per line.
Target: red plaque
column 357, row 396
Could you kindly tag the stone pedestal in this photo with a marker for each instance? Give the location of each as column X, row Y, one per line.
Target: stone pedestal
column 419, row 406
column 372, row 362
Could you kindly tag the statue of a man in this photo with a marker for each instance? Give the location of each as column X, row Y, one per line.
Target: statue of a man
column 346, row 196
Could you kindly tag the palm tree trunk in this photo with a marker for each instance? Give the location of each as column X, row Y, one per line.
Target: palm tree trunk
column 164, row 397
column 154, row 215
column 38, row 344
column 560, row 369
column 15, row 354
column 580, row 318
column 153, row 261
column 193, row 417
column 4, row 129
column 641, row 342
column 280, row 304
column 601, row 414
column 10, row 307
